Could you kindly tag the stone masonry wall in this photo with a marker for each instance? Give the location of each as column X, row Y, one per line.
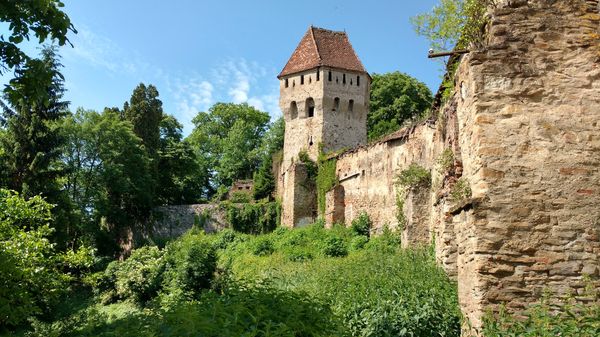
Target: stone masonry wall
column 523, row 127
column 174, row 221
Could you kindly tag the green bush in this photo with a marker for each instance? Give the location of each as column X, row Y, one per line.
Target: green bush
column 326, row 180
column 362, row 224
column 358, row 242
column 335, row 247
column 258, row 218
column 225, row 238
column 240, row 197
column 263, row 246
column 140, row 276
column 461, row 191
column 542, row 319
column 30, row 277
column 414, row 176
column 191, row 263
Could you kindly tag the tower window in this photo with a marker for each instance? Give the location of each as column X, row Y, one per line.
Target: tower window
column 358, row 81
column 287, row 83
column 350, row 81
column 301, row 79
column 293, row 83
column 336, row 104
column 318, row 75
column 309, row 79
column 337, row 80
column 310, row 107
column 330, row 76
column 351, row 105
column 293, row 110
column 344, row 79
column 310, row 141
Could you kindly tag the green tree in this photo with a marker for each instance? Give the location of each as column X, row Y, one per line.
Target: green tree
column 453, row 24
column 272, row 143
column 31, row 143
column 227, row 140
column 109, row 177
column 145, row 112
column 43, row 18
column 29, row 275
column 180, row 178
column 395, row 99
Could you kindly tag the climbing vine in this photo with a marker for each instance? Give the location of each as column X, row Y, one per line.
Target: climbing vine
column 253, row 218
column 326, row 180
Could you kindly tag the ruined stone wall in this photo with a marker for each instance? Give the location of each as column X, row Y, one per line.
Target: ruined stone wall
column 524, row 133
column 173, row 221
column 530, row 144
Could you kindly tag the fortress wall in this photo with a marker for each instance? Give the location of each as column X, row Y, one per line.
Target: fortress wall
column 530, row 143
column 524, row 129
column 368, row 174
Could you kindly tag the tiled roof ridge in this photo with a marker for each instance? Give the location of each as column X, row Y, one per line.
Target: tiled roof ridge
column 312, row 35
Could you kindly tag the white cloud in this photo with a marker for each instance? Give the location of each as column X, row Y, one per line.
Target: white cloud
column 99, row 51
column 192, row 96
column 248, row 82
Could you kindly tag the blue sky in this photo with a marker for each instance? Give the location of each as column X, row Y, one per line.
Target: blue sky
column 198, row 53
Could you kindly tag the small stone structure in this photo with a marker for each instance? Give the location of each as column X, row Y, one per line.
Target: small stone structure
column 516, row 212
column 241, row 187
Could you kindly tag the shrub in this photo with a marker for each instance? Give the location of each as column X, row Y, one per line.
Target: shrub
column 414, row 176
column 299, row 254
column 240, row 197
column 445, row 161
column 335, row 247
column 225, row 238
column 30, row 278
column 358, row 242
column 263, row 246
column 191, row 263
column 461, row 191
column 259, row 218
column 542, row 319
column 139, row 277
column 362, row 224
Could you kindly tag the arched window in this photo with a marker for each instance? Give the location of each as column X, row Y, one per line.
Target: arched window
column 351, row 105
column 336, row 104
column 293, row 110
column 310, row 107
column 358, row 81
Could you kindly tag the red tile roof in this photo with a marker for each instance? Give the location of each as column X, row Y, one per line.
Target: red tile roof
column 322, row 47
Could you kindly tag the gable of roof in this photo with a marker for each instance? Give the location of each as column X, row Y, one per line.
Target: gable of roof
column 322, row 47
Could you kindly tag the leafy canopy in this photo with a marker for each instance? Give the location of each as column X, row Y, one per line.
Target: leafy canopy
column 43, row 18
column 395, row 99
column 227, row 141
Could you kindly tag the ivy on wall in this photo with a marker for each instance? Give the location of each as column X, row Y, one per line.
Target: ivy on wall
column 253, row 218
column 326, row 180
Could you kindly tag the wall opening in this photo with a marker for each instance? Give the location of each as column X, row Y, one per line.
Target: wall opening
column 351, row 105
column 309, row 79
column 344, row 79
column 287, row 83
column 336, row 104
column 293, row 110
column 318, row 75
column 310, row 106
column 330, row 76
column 293, row 83
column 301, row 79
column 358, row 81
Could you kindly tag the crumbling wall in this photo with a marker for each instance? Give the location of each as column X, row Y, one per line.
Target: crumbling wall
column 173, row 221
column 523, row 128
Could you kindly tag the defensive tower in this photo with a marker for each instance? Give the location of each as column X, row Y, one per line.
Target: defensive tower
column 324, row 97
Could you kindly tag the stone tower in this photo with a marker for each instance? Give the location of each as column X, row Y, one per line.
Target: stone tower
column 324, row 97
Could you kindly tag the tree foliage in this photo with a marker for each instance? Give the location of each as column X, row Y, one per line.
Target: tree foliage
column 396, row 98
column 453, row 24
column 109, row 176
column 43, row 18
column 29, row 275
column 272, row 143
column 227, row 140
column 145, row 113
